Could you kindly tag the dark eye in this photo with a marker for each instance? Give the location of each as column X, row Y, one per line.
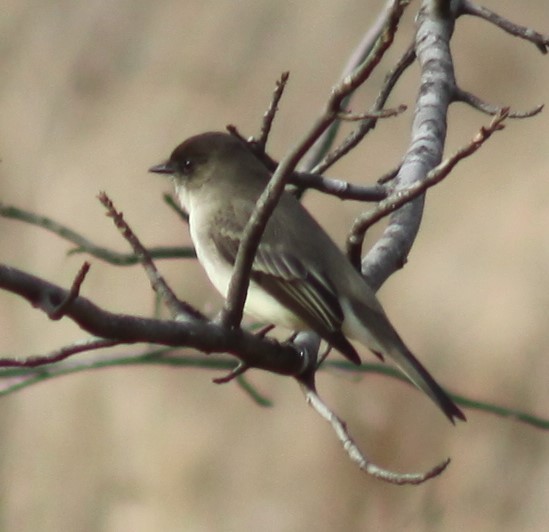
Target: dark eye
column 187, row 167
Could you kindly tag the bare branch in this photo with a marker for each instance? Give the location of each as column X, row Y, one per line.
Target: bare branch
column 401, row 197
column 340, row 189
column 89, row 344
column 59, row 311
column 357, row 456
column 539, row 40
column 85, row 245
column 420, row 169
column 371, row 115
column 365, row 127
column 388, row 176
column 208, row 337
column 364, row 49
column 174, row 205
column 428, row 135
column 474, row 101
column 235, row 372
column 233, row 309
column 304, row 180
column 435, row 27
column 15, row 378
column 179, row 309
column 269, row 116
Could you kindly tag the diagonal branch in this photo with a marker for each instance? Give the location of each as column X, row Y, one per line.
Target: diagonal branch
column 87, row 246
column 399, row 198
column 269, row 115
column 74, row 292
column 359, row 56
column 179, row 309
column 438, row 89
column 367, row 125
column 305, row 180
column 231, row 315
column 538, row 39
column 434, row 30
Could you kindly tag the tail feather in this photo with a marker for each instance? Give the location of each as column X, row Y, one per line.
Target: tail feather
column 373, row 329
column 423, row 380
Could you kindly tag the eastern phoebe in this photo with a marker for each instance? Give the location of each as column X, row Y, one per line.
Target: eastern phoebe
column 300, row 279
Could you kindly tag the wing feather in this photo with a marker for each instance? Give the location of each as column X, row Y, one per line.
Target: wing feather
column 302, row 289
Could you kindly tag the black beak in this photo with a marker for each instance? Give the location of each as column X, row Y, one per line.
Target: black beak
column 163, row 168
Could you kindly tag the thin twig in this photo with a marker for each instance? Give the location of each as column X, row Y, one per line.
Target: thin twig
column 401, row 197
column 474, row 101
column 269, row 115
column 81, row 346
column 364, row 127
column 232, row 312
column 174, row 205
column 305, row 180
column 22, row 377
column 360, row 55
column 388, row 176
column 129, row 259
column 357, row 456
column 235, row 372
column 340, row 189
column 466, row 402
column 539, row 40
column 179, row 309
column 58, row 312
column 85, row 245
column 253, row 392
column 371, row 115
column 233, row 130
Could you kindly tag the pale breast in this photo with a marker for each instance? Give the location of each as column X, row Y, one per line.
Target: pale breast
column 259, row 303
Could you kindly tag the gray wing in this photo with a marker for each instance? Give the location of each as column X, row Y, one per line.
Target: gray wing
column 303, row 290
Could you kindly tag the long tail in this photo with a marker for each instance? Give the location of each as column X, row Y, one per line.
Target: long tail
column 419, row 376
column 374, row 330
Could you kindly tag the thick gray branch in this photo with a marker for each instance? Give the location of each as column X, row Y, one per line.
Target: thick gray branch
column 426, row 144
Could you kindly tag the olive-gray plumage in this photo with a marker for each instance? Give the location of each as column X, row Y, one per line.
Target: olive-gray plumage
column 300, row 279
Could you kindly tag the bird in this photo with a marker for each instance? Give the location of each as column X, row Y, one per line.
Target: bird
column 300, row 279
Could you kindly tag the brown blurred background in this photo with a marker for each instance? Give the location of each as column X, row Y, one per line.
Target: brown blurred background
column 93, row 93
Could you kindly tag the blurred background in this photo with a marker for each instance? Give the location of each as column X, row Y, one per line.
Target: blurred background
column 92, row 94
